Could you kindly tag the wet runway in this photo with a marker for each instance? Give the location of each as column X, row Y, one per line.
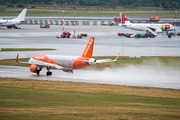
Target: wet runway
column 107, row 43
column 157, row 76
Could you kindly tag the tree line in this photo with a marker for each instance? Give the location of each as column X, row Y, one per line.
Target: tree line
column 165, row 4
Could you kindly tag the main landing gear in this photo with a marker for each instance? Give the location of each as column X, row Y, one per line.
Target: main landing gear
column 48, row 73
column 71, row 71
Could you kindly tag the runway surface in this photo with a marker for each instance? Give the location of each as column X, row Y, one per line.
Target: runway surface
column 157, row 75
column 107, row 43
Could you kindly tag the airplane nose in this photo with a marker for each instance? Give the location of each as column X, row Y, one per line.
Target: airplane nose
column 119, row 24
column 174, row 28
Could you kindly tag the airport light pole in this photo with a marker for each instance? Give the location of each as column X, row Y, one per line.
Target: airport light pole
column 63, row 22
column 175, row 22
column 74, row 23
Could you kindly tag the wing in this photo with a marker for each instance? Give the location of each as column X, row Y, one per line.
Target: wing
column 44, row 64
column 53, row 66
column 107, row 60
column 94, row 61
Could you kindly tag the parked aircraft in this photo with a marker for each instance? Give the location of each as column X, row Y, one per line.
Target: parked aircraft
column 65, row 63
column 151, row 27
column 14, row 23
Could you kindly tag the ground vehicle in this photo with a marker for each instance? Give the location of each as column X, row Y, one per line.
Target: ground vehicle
column 117, row 20
column 154, row 19
column 144, row 35
column 121, row 34
column 13, row 26
column 45, row 26
column 65, row 34
column 84, row 35
column 79, row 36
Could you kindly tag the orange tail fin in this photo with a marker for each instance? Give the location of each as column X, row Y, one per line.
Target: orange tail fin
column 88, row 52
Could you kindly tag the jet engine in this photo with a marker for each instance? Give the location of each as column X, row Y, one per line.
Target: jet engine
column 92, row 61
column 158, row 31
column 69, row 71
column 35, row 69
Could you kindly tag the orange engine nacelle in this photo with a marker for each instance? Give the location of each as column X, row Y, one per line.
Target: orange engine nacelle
column 34, row 68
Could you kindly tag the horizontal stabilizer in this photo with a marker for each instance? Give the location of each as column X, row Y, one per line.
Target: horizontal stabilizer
column 17, row 60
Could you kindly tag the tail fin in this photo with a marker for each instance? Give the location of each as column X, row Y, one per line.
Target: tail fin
column 88, row 52
column 21, row 16
column 124, row 19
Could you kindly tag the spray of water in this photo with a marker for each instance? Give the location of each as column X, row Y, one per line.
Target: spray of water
column 154, row 74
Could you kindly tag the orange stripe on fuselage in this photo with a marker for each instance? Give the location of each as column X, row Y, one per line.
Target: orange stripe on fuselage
column 44, row 58
column 80, row 62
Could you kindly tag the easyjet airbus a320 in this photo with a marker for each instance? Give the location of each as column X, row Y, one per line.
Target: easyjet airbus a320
column 65, row 63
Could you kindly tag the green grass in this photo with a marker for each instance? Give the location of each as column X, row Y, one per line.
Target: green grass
column 23, row 49
column 88, row 12
column 122, row 61
column 30, row 99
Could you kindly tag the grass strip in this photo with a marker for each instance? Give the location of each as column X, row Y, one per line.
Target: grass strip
column 33, row 99
column 122, row 61
column 89, row 12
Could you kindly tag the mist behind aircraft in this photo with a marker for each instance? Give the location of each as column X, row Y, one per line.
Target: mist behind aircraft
column 154, row 74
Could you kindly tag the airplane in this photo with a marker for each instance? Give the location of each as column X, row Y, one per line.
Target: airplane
column 13, row 23
column 64, row 63
column 152, row 28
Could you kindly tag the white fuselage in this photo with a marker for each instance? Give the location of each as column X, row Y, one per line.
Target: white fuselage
column 143, row 27
column 65, row 61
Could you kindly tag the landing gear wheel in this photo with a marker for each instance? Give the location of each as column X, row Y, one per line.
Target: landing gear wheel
column 49, row 73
